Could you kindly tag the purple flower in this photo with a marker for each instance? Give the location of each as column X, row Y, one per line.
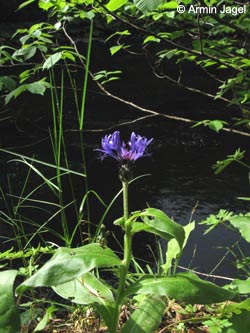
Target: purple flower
column 113, row 146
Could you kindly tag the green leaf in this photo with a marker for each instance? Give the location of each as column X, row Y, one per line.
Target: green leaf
column 45, row 4
column 15, row 93
column 236, row 308
column 26, row 3
column 186, row 287
column 52, row 60
column 113, row 5
column 9, row 317
column 215, row 125
column 26, row 52
column 107, row 313
column 243, row 286
column 44, row 321
column 173, row 249
column 7, row 82
column 37, row 88
column 169, row 5
column 151, row 39
column 242, row 223
column 147, row 317
column 85, row 290
column 114, row 49
column 221, row 165
column 240, row 323
column 147, row 5
column 244, row 198
column 119, row 33
column 157, row 219
column 68, row 55
column 68, row 264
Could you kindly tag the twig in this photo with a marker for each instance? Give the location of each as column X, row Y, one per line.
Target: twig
column 207, row 275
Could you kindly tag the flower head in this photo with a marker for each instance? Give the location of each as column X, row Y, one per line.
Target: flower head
column 113, row 146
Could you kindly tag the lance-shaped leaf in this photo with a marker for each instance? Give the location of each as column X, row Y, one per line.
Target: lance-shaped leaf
column 157, row 219
column 186, row 287
column 68, row 264
column 52, row 60
column 147, row 317
column 173, row 247
column 89, row 290
column 85, row 290
column 9, row 317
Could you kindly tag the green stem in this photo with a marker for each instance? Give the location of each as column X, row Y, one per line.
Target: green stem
column 125, row 200
column 127, row 254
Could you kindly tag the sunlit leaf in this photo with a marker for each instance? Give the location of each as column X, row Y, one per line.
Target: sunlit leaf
column 173, row 249
column 151, row 39
column 37, row 88
column 45, row 4
column 243, row 287
column 186, row 287
column 242, row 223
column 52, row 60
column 113, row 5
column 114, row 49
column 68, row 264
column 215, row 125
column 147, row 5
column 26, row 3
column 85, row 290
column 157, row 219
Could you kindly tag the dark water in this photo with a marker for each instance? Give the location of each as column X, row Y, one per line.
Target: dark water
column 185, row 180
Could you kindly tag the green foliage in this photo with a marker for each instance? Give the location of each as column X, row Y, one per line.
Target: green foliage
column 216, row 45
column 173, row 250
column 7, row 82
column 147, row 5
column 239, row 221
column 85, row 290
column 221, row 165
column 107, row 76
column 186, row 287
column 239, row 323
column 147, row 317
column 9, row 318
column 213, row 220
column 242, row 287
column 215, row 125
column 159, row 221
column 216, row 325
column 69, row 264
column 242, row 223
column 38, row 88
column 113, row 5
column 44, row 321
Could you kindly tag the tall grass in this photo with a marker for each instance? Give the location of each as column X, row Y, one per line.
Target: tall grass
column 55, row 177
